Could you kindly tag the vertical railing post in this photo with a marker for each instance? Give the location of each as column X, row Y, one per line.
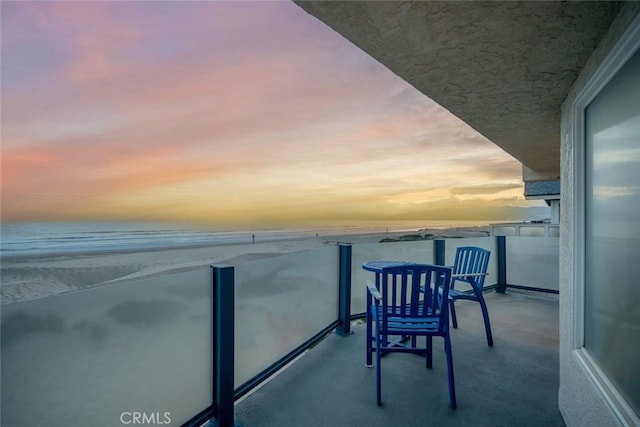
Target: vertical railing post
column 438, row 251
column 223, row 345
column 501, row 244
column 344, row 290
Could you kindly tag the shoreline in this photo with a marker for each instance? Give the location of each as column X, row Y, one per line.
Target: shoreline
column 27, row 277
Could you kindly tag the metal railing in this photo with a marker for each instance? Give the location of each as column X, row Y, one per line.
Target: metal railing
column 110, row 355
column 440, row 255
column 194, row 342
column 526, row 229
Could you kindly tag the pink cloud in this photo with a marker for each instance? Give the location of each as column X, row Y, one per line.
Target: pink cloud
column 149, row 95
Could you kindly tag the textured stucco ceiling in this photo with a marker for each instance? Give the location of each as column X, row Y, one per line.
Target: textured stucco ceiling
column 502, row 67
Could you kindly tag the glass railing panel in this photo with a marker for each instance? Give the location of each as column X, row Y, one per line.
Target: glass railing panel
column 98, row 356
column 280, row 302
column 418, row 251
column 488, row 243
column 533, row 262
column 504, row 231
column 532, row 231
column 554, row 231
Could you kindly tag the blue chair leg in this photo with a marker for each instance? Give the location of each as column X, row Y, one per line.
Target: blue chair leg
column 452, row 309
column 487, row 324
column 369, row 338
column 378, row 370
column 429, row 351
column 452, row 386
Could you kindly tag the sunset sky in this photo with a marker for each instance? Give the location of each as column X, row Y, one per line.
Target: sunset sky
column 226, row 112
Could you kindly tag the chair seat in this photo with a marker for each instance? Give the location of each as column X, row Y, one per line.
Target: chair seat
column 405, row 325
column 456, row 294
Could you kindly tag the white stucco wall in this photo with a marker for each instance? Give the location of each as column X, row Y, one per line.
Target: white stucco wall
column 580, row 401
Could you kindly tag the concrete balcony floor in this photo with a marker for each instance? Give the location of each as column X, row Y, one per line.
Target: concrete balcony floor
column 514, row 383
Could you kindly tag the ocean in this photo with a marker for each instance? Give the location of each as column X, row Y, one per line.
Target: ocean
column 52, row 238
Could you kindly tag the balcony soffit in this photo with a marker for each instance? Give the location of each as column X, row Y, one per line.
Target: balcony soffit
column 502, row 67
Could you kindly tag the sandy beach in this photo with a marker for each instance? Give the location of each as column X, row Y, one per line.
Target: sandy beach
column 31, row 277
column 139, row 339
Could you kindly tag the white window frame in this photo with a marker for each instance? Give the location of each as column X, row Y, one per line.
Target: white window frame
column 628, row 44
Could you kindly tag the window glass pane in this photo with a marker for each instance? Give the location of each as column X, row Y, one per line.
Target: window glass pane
column 612, row 230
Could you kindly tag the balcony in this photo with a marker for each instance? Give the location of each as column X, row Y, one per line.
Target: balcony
column 158, row 348
column 513, row 383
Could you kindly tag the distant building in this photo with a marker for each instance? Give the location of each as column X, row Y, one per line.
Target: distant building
column 549, row 191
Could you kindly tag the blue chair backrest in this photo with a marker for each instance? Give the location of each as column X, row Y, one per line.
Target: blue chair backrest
column 415, row 291
column 469, row 260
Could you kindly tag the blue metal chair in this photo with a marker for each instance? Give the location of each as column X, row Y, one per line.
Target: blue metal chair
column 470, row 266
column 407, row 302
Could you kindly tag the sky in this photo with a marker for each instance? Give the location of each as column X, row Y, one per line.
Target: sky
column 226, row 112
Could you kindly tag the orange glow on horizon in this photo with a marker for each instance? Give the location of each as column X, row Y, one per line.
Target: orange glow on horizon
column 225, row 112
